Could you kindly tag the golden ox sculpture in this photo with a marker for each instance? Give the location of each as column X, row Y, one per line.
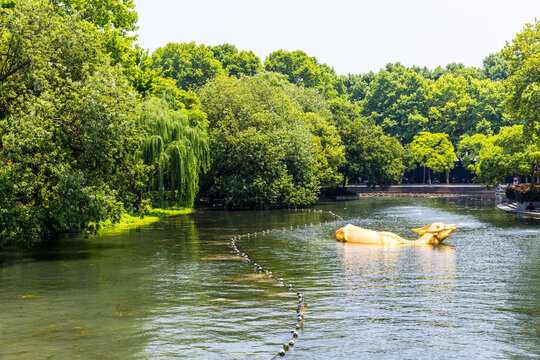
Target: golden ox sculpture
column 431, row 234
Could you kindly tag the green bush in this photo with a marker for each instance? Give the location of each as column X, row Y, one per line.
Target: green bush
column 523, row 193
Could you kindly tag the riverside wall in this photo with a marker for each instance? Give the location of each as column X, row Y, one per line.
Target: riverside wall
column 458, row 189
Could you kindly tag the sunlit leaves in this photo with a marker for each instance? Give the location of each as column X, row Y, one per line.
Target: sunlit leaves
column 189, row 64
column 305, row 71
column 508, row 153
column 267, row 149
column 455, row 100
column 524, row 81
column 496, row 67
column 68, row 141
column 433, row 151
column 176, row 149
column 243, row 63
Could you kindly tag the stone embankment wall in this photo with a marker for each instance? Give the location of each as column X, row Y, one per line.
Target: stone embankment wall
column 458, row 189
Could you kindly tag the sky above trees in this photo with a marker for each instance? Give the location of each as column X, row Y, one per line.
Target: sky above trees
column 353, row 36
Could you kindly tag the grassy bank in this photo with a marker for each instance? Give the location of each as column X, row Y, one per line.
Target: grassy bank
column 132, row 221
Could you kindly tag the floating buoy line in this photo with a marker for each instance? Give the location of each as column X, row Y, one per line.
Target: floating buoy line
column 301, row 299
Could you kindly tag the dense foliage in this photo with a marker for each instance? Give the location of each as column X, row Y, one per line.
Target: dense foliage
column 523, row 193
column 371, row 155
column 523, row 83
column 509, row 152
column 266, row 150
column 434, row 152
column 176, row 149
column 190, row 65
column 462, row 102
column 68, row 139
column 305, row 71
column 92, row 125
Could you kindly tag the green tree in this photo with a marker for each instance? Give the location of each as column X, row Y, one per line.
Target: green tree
column 175, row 147
column 237, row 63
column 459, row 103
column 321, row 122
column 105, row 15
column 395, row 100
column 523, row 83
column 68, row 142
column 371, row 155
column 469, row 148
column 266, row 150
column 508, row 153
column 116, row 21
column 329, row 148
column 190, row 65
column 305, row 71
column 252, row 169
column 496, row 67
column 358, row 85
column 433, row 151
column 455, row 100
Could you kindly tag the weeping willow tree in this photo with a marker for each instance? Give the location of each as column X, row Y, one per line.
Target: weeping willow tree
column 176, row 148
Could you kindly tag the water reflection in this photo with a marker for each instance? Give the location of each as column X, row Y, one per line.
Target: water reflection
column 439, row 259
column 174, row 290
column 400, row 271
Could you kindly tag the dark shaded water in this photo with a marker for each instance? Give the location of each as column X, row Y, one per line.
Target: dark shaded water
column 175, row 289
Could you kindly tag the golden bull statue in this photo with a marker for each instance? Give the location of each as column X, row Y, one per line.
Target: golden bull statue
column 431, row 234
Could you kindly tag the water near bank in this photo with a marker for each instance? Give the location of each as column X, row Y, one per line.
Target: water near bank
column 133, row 221
column 175, row 290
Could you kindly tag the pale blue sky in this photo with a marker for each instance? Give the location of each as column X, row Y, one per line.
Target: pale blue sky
column 350, row 36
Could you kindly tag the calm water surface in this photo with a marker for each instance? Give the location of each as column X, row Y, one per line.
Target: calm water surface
column 174, row 290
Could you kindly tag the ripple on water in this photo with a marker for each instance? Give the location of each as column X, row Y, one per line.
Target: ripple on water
column 181, row 296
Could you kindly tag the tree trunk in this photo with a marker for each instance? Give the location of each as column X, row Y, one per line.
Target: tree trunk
column 447, row 176
column 424, row 177
column 429, row 176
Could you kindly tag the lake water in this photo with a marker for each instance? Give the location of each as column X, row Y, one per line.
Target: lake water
column 175, row 290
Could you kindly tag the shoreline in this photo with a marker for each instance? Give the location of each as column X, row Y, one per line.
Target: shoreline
column 133, row 221
column 354, row 192
column 426, row 190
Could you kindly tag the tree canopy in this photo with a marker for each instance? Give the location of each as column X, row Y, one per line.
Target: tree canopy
column 265, row 149
column 433, row 151
column 237, row 63
column 68, row 140
column 189, row 64
column 305, row 71
column 371, row 155
column 175, row 147
column 509, row 152
column 496, row 67
column 405, row 101
column 523, row 83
